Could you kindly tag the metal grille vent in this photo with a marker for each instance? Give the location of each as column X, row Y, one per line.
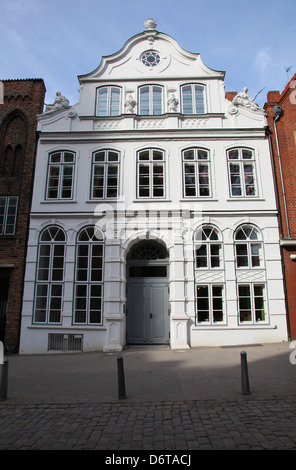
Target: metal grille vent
column 62, row 342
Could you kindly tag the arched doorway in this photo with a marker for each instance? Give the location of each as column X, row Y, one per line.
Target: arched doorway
column 148, row 294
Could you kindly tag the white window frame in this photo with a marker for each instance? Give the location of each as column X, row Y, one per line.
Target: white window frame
column 105, row 160
column 194, row 107
column 8, row 214
column 88, row 277
column 249, row 249
column 209, row 300
column 50, row 276
column 107, row 109
column 151, row 109
column 197, row 164
column 252, row 308
column 239, row 180
column 207, row 238
column 57, row 175
column 150, row 177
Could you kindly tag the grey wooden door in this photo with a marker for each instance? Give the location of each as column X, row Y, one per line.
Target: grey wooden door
column 148, row 311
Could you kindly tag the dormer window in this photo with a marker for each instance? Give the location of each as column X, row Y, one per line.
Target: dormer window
column 108, row 101
column 193, row 99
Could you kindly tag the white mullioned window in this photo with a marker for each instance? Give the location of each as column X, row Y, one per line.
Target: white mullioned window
column 108, row 101
column 208, row 248
column 209, row 303
column 50, row 276
column 193, row 99
column 242, row 172
column 248, row 248
column 105, row 174
column 151, row 174
column 151, row 100
column 60, row 178
column 89, row 277
column 196, row 173
column 209, row 297
column 252, row 303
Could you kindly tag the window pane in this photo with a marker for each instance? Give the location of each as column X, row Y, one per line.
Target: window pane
column 235, row 179
column 102, row 101
column 190, row 187
column 259, row 303
column 245, row 312
column 157, row 100
column 144, row 100
column 115, row 102
column 187, row 100
column 199, row 100
column 202, row 294
column 201, row 257
column 215, row 256
column 242, row 255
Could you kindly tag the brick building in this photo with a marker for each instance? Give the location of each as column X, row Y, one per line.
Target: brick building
column 281, row 108
column 20, row 102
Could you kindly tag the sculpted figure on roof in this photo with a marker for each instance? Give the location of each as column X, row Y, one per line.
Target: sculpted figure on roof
column 243, row 99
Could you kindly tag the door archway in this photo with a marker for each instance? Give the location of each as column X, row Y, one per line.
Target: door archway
column 148, row 293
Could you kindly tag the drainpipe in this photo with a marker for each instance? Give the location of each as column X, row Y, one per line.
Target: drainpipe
column 277, row 111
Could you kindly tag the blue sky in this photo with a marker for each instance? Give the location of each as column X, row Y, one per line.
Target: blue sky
column 254, row 41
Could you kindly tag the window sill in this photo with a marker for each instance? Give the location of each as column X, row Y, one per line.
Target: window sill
column 58, row 201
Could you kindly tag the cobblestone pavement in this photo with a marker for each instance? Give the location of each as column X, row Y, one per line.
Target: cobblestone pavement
column 176, row 401
column 245, row 424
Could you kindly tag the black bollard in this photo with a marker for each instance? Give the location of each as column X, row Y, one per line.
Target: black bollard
column 244, row 374
column 4, row 380
column 121, row 381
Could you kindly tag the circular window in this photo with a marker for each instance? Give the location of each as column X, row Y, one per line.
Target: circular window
column 150, row 58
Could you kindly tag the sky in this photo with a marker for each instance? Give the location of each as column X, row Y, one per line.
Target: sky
column 57, row 40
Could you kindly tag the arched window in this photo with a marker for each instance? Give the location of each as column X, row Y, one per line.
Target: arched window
column 50, row 276
column 108, row 101
column 208, row 248
column 248, row 247
column 151, row 101
column 89, row 277
column 208, row 257
column 193, row 99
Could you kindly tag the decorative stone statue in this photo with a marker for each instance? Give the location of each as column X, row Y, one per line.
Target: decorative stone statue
column 173, row 104
column 243, row 99
column 59, row 103
column 130, row 104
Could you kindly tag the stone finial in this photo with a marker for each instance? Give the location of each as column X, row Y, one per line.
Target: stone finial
column 150, row 24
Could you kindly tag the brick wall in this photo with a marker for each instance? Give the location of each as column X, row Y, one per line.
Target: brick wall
column 286, row 132
column 22, row 101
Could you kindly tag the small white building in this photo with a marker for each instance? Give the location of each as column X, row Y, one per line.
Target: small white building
column 154, row 217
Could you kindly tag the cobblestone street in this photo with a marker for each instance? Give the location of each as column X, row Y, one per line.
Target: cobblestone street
column 241, row 425
column 48, row 408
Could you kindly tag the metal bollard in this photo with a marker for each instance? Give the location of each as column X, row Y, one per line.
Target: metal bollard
column 4, row 380
column 121, row 381
column 244, row 374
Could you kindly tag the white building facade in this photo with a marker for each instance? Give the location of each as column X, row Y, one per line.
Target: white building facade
column 154, row 217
